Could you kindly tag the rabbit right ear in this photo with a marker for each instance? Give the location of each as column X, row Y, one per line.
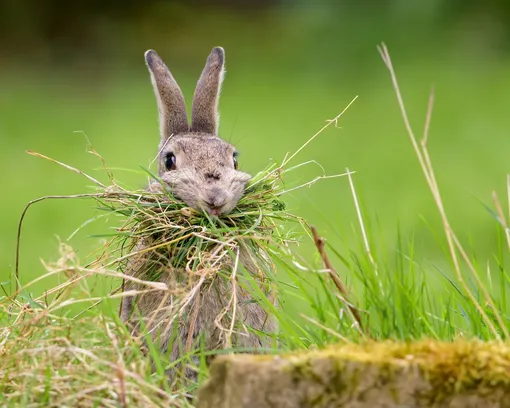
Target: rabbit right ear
column 204, row 110
column 171, row 106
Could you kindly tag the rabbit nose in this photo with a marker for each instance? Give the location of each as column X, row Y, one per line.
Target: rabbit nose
column 216, row 198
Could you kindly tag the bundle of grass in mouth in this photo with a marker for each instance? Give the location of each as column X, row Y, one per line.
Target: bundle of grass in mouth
column 182, row 236
column 169, row 235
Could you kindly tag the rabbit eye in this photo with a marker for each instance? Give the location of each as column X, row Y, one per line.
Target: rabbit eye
column 235, row 160
column 170, row 161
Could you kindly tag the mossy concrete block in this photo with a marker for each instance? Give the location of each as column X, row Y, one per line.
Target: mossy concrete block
column 460, row 374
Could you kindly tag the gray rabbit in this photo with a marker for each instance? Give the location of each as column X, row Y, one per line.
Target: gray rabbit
column 200, row 169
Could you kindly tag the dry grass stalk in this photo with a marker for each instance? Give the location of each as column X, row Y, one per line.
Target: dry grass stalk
column 319, row 244
column 454, row 244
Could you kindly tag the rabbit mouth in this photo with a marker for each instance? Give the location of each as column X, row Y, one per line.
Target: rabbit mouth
column 216, row 201
column 214, row 210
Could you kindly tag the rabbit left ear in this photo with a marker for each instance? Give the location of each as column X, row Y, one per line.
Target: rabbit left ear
column 171, row 106
column 204, row 111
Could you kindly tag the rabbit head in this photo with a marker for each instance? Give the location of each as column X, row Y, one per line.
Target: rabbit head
column 197, row 166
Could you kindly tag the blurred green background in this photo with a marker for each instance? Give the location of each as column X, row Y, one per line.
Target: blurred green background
column 70, row 67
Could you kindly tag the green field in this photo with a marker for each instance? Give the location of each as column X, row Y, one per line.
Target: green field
column 267, row 116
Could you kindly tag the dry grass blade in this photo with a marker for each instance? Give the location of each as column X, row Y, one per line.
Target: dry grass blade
column 453, row 243
column 361, row 223
column 73, row 169
column 319, row 244
column 20, row 225
column 501, row 215
column 326, row 329
column 330, row 122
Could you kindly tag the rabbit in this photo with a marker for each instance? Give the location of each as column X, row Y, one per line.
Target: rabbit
column 200, row 169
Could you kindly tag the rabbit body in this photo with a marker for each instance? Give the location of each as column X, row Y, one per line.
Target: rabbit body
column 200, row 169
column 197, row 326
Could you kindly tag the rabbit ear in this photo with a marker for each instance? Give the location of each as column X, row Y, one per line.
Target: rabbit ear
column 204, row 112
column 171, row 106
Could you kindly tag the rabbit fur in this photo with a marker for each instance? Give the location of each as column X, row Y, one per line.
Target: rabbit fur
column 200, row 169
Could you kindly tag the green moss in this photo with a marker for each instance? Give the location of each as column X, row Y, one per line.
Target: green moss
column 446, row 368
